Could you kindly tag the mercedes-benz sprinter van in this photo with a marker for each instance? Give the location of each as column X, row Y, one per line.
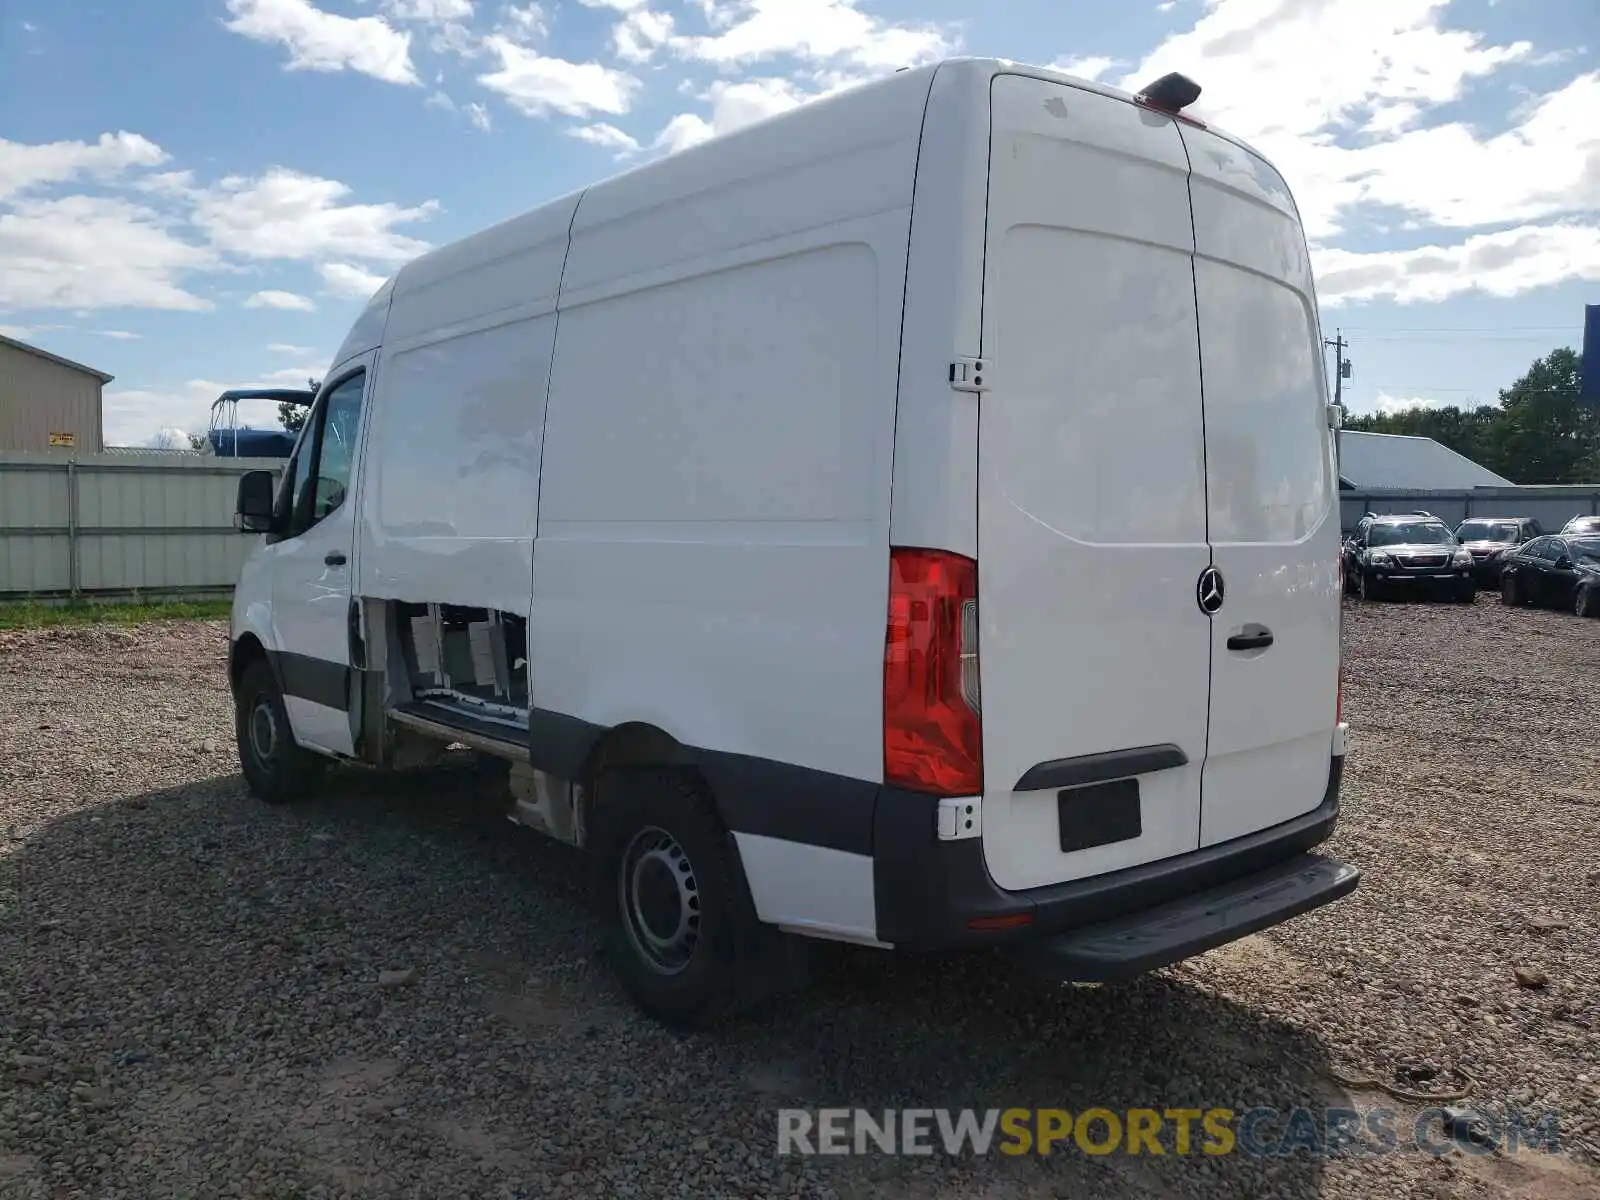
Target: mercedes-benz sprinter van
column 911, row 520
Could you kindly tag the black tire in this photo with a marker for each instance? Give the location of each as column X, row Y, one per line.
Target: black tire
column 277, row 769
column 658, row 845
column 1369, row 588
column 1510, row 593
column 1586, row 603
column 1467, row 594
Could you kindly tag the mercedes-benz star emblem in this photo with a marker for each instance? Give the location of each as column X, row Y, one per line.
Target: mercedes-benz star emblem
column 1208, row 592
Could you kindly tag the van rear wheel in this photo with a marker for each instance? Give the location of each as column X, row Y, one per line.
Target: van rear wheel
column 680, row 931
column 275, row 766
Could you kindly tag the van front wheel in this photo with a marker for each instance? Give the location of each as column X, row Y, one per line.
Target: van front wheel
column 275, row 766
column 680, row 931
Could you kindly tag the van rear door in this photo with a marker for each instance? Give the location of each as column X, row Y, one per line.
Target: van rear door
column 1271, row 497
column 1092, row 505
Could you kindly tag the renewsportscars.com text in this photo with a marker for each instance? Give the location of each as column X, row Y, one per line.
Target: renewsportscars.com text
column 1258, row 1132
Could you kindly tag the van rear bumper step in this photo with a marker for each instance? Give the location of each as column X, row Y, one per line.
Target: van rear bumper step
column 1180, row 929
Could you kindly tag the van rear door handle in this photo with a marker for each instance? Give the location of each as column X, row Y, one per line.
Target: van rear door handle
column 334, row 558
column 1256, row 639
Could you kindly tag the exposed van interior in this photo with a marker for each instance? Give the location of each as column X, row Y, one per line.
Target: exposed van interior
column 932, row 488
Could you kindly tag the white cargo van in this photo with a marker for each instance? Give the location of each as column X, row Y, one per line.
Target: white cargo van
column 911, row 520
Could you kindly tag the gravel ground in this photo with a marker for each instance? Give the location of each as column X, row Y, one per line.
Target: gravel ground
column 193, row 999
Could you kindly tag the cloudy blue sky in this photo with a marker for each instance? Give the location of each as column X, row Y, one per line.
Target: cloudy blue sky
column 200, row 193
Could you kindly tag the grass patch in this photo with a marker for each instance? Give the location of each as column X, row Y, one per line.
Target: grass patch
column 33, row 615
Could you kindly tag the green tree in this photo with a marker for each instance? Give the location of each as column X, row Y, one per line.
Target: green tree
column 1544, row 433
column 1539, row 432
column 292, row 416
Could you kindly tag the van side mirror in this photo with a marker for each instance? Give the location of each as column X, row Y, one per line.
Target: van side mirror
column 253, row 512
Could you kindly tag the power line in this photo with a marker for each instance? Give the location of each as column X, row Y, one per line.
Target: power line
column 1391, row 388
column 1450, row 341
column 1467, row 328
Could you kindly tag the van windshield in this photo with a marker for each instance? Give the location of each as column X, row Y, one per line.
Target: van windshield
column 1487, row 531
column 1409, row 533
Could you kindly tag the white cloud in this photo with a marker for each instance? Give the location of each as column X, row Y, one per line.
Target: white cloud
column 538, row 85
column 286, row 348
column 134, row 416
column 479, row 116
column 1344, row 97
column 440, row 100
column 25, row 166
column 683, row 131
column 1547, row 165
column 322, row 41
column 608, row 137
column 121, row 335
column 735, row 105
column 814, row 30
column 20, row 333
column 432, row 12
column 288, row 301
column 640, row 34
column 291, row 376
column 615, row 5
column 1288, row 75
column 344, row 279
column 522, row 24
column 455, row 38
column 284, row 214
column 1506, row 263
column 93, row 252
column 1089, row 66
column 1386, row 403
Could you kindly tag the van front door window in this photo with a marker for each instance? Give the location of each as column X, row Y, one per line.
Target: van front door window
column 336, row 446
column 320, row 473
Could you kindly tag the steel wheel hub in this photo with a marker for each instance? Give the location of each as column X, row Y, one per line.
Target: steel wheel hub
column 660, row 899
column 263, row 731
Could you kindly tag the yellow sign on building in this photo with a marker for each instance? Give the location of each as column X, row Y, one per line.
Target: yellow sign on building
column 63, row 439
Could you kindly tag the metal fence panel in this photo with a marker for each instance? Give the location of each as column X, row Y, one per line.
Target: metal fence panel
column 1552, row 506
column 120, row 522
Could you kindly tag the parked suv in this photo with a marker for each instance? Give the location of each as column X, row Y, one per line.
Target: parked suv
column 1587, row 525
column 1490, row 539
column 1408, row 553
column 1560, row 571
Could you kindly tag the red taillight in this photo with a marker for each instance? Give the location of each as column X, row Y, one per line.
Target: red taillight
column 932, row 739
column 1146, row 102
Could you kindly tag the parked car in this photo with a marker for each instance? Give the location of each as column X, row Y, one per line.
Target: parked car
column 1408, row 554
column 631, row 492
column 1489, row 539
column 1558, row 571
column 1582, row 525
column 1350, row 550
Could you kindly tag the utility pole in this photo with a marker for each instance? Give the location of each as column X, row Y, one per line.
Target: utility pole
column 1341, row 366
column 1341, row 372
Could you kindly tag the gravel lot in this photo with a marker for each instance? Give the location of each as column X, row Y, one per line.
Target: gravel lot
column 191, row 1005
